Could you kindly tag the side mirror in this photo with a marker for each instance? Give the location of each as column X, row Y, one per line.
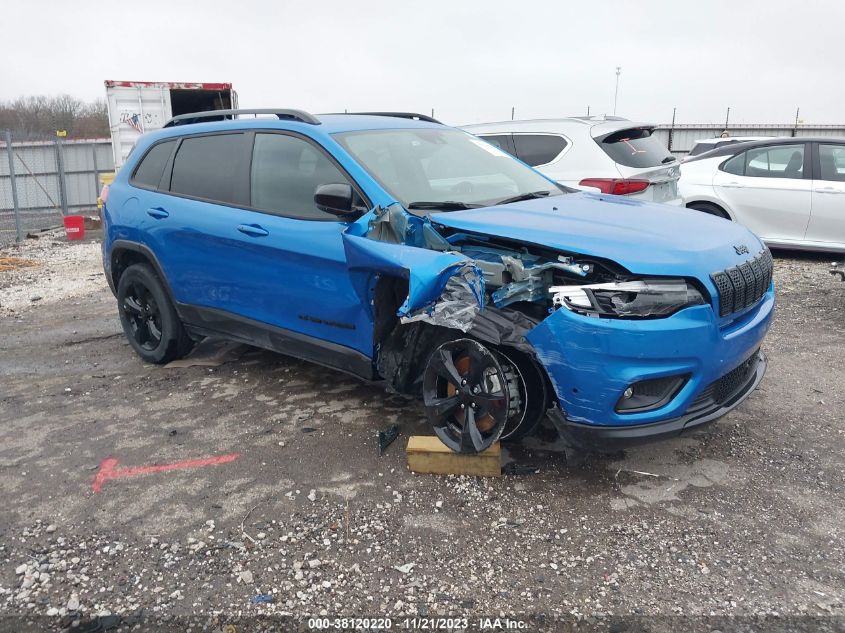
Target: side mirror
column 335, row 198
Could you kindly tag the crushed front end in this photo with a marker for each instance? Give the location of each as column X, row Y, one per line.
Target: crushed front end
column 628, row 356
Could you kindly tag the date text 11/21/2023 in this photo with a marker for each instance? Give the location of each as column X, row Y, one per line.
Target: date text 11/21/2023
column 418, row 623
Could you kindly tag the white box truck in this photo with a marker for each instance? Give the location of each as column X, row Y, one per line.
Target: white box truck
column 136, row 107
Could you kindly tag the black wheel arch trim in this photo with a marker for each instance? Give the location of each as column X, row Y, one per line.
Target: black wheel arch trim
column 706, row 203
column 136, row 247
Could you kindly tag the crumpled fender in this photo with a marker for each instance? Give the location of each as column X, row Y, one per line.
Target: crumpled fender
column 428, row 273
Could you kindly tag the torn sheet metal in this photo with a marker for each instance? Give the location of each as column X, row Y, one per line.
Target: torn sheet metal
column 457, row 306
column 395, row 225
column 444, row 287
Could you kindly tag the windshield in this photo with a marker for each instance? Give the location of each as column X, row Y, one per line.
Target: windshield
column 426, row 166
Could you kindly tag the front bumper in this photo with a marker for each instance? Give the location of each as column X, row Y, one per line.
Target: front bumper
column 590, row 363
column 705, row 409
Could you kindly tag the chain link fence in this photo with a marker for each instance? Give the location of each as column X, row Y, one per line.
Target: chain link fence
column 43, row 179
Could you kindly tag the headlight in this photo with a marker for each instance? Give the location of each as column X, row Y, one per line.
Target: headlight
column 641, row 298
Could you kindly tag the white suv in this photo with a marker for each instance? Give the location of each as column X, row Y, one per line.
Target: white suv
column 611, row 154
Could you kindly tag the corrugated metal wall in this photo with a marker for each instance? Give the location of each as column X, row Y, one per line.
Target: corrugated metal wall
column 683, row 137
column 40, row 197
column 36, row 173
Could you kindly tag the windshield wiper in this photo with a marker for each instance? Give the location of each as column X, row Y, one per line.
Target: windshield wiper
column 525, row 196
column 445, row 205
column 668, row 159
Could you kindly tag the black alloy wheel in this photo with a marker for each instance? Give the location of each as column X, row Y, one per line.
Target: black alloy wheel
column 149, row 318
column 143, row 315
column 467, row 395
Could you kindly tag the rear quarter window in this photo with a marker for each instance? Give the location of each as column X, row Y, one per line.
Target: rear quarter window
column 538, row 149
column 150, row 169
column 735, row 165
column 636, row 147
column 502, row 141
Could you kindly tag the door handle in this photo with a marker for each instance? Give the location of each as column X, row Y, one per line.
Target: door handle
column 828, row 190
column 253, row 229
column 733, row 185
column 158, row 213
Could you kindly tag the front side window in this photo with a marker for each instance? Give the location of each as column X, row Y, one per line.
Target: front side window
column 436, row 165
column 149, row 171
column 207, row 167
column 779, row 161
column 286, row 172
column 538, row 149
column 832, row 162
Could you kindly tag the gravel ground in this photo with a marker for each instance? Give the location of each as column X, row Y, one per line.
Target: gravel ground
column 736, row 527
column 64, row 270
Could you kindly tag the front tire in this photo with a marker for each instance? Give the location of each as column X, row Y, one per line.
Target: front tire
column 475, row 395
column 149, row 318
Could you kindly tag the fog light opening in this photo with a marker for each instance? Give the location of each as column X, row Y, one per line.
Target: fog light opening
column 647, row 395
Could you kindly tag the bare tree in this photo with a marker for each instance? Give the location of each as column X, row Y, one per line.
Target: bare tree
column 40, row 116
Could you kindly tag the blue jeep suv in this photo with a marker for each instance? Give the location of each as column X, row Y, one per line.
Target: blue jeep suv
column 397, row 249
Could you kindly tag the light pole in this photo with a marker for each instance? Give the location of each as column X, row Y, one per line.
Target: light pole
column 616, row 92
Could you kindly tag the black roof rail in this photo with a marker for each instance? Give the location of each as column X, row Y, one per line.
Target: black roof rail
column 283, row 114
column 402, row 115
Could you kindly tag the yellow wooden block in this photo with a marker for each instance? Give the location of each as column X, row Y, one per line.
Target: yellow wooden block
column 427, row 454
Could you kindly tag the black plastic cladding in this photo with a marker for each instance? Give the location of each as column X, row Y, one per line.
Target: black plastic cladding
column 743, row 285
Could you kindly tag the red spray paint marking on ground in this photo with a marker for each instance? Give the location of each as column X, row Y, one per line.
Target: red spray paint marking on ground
column 108, row 468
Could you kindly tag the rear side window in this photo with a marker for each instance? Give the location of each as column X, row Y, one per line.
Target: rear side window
column 149, row 171
column 780, row 161
column 208, row 167
column 636, row 147
column 286, row 172
column 538, row 149
column 832, row 162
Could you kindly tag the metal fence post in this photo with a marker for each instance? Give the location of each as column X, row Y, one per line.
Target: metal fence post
column 15, row 203
column 60, row 164
column 96, row 170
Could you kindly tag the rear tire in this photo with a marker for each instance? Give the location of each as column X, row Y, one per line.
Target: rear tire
column 707, row 207
column 149, row 318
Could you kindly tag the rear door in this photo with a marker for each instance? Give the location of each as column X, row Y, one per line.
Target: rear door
column 827, row 222
column 769, row 190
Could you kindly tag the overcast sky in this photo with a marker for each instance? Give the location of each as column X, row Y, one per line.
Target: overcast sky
column 469, row 60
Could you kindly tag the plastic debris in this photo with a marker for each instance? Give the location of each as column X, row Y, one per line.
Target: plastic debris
column 386, row 438
column 406, row 568
column 262, row 597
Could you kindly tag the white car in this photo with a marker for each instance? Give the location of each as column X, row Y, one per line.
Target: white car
column 789, row 191
column 610, row 154
column 707, row 144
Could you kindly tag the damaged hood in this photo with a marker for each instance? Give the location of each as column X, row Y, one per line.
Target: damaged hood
column 645, row 238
